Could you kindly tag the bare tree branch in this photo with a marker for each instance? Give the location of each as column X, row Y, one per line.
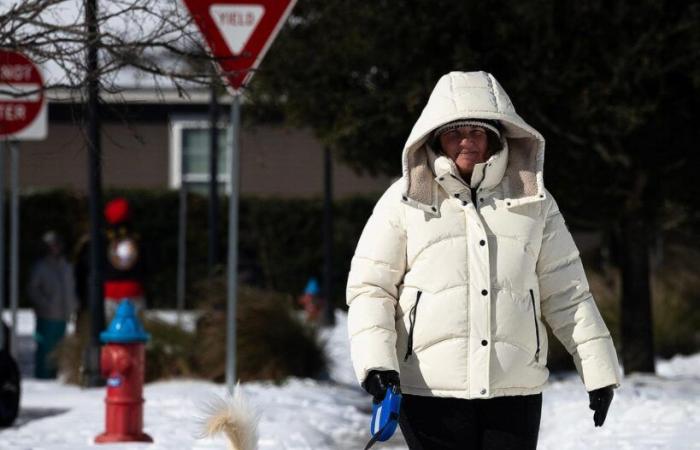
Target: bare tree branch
column 155, row 38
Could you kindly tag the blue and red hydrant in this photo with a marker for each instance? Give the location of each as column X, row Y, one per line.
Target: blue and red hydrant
column 311, row 300
column 123, row 362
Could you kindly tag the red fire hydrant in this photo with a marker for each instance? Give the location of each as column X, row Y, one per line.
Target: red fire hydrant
column 123, row 363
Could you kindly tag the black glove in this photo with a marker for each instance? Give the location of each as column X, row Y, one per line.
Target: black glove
column 378, row 381
column 599, row 401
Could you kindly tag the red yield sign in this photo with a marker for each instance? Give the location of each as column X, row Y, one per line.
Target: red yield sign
column 22, row 101
column 239, row 32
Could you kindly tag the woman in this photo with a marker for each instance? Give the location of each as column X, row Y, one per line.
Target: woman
column 457, row 268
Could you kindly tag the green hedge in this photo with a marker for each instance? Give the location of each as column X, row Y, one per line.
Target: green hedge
column 281, row 247
column 280, row 239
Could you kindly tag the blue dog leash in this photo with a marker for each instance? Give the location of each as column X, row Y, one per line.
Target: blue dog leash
column 385, row 417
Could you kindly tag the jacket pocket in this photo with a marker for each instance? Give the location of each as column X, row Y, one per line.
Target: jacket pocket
column 537, row 328
column 412, row 319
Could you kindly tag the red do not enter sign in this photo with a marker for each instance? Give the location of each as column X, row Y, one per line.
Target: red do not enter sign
column 21, row 92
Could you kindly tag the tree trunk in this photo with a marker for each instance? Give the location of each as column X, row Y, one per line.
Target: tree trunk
column 636, row 319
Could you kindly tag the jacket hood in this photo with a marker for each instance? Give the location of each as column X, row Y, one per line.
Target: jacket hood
column 460, row 95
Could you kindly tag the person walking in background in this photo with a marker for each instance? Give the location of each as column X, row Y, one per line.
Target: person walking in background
column 51, row 291
column 461, row 262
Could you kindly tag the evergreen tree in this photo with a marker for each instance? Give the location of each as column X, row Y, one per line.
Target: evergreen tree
column 613, row 87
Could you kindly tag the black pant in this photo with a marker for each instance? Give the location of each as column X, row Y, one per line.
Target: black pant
column 501, row 423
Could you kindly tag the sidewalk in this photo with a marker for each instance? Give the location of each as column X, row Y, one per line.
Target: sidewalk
column 298, row 415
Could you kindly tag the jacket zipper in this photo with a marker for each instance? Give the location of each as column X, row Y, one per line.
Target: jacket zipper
column 537, row 328
column 473, row 193
column 476, row 188
column 412, row 319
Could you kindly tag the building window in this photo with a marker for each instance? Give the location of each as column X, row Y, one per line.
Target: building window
column 189, row 155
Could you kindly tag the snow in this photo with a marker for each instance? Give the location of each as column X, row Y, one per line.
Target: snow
column 648, row 412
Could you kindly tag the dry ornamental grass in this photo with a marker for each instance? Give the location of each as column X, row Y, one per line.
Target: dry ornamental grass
column 273, row 343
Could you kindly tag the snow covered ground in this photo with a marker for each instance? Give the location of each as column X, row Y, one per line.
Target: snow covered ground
column 649, row 412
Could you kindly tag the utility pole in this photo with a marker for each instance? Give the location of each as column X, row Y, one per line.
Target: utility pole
column 91, row 374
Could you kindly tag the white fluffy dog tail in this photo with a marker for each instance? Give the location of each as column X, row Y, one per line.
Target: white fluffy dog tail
column 235, row 418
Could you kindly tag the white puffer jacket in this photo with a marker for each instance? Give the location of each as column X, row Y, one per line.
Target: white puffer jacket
column 450, row 283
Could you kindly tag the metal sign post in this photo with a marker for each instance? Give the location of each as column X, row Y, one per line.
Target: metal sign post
column 3, row 147
column 23, row 116
column 232, row 271
column 182, row 243
column 239, row 34
column 213, row 242
column 14, row 242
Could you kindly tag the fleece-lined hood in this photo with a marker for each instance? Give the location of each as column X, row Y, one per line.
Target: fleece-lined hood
column 460, row 95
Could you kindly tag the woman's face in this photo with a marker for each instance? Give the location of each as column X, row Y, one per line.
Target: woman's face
column 466, row 146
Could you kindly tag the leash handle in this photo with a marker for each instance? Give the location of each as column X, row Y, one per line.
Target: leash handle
column 385, row 416
column 377, row 435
